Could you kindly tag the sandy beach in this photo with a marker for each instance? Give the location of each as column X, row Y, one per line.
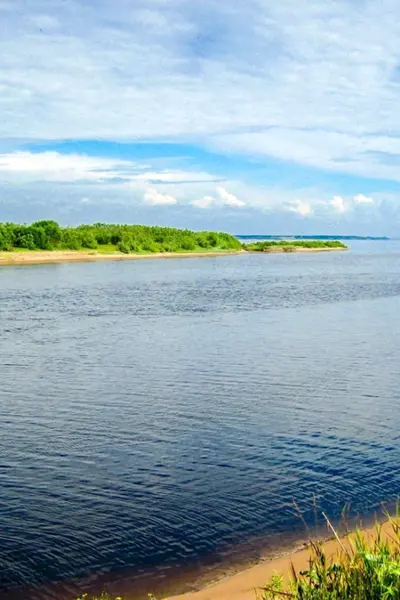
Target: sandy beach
column 244, row 584
column 61, row 256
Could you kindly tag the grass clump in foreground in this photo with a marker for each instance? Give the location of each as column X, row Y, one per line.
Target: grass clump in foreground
column 366, row 568
column 108, row 238
column 293, row 245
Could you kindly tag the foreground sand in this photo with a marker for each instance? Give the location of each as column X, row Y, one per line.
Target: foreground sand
column 59, row 256
column 243, row 585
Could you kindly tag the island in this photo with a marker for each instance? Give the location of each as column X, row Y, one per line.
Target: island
column 295, row 246
column 46, row 241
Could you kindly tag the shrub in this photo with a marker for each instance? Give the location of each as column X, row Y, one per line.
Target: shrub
column 6, row 239
column 124, row 247
column 89, row 240
column 51, row 230
column 26, row 240
column 188, row 243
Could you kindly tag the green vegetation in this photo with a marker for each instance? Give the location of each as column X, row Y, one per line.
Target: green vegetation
column 293, row 245
column 137, row 239
column 365, row 569
column 48, row 235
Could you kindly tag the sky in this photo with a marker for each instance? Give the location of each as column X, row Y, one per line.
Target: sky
column 250, row 116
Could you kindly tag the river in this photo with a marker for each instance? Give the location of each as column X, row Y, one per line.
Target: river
column 157, row 415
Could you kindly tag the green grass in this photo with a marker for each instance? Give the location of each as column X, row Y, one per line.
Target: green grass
column 293, row 245
column 365, row 569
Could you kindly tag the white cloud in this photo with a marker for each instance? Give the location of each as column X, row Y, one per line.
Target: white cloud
column 229, row 199
column 23, row 166
column 224, row 198
column 338, row 204
column 85, row 200
column 299, row 206
column 156, row 198
column 361, row 199
column 303, row 80
column 52, row 166
column 205, row 202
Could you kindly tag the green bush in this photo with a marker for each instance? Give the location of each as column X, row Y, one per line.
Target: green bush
column 89, row 240
column 26, row 240
column 6, row 240
column 188, row 243
column 52, row 232
column 124, row 247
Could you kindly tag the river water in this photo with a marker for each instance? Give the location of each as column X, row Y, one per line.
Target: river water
column 157, row 414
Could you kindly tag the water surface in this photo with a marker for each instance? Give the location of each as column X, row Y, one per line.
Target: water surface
column 158, row 413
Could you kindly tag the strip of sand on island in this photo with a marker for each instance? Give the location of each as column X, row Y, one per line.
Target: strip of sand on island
column 245, row 584
column 60, row 256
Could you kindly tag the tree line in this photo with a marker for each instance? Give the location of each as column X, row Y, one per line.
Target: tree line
column 49, row 235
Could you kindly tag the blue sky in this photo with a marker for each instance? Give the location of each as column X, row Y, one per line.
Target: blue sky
column 253, row 117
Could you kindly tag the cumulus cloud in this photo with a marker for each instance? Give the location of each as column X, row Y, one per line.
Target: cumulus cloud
column 338, row 204
column 156, row 198
column 299, row 206
column 229, row 199
column 222, row 198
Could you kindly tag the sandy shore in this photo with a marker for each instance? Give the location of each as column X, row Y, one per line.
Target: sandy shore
column 243, row 585
column 60, row 256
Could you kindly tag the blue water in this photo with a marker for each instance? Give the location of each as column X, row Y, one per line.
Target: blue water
column 157, row 413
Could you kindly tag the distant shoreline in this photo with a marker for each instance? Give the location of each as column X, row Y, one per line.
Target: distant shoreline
column 344, row 238
column 30, row 257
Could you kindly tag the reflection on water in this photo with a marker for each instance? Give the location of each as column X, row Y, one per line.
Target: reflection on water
column 155, row 413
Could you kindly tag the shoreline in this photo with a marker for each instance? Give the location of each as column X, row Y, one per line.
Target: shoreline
column 30, row 257
column 64, row 256
column 234, row 576
column 243, row 584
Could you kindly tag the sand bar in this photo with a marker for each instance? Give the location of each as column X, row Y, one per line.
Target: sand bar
column 61, row 256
